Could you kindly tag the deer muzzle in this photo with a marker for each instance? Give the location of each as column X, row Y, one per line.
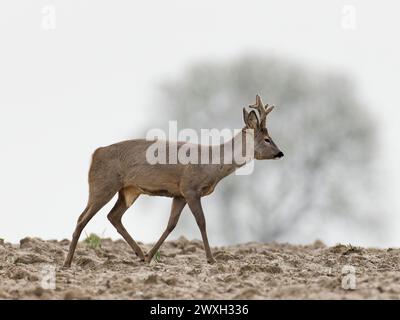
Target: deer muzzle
column 279, row 155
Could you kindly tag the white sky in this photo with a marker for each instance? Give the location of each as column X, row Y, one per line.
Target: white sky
column 88, row 83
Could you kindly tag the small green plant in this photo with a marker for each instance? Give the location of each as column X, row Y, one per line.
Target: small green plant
column 157, row 256
column 93, row 241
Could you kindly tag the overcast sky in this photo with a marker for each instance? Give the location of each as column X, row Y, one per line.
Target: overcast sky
column 87, row 76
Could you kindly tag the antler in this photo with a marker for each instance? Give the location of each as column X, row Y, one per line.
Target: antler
column 262, row 110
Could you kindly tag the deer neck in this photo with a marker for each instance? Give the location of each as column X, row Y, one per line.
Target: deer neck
column 231, row 153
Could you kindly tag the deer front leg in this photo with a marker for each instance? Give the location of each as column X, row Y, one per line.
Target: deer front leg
column 197, row 210
column 178, row 204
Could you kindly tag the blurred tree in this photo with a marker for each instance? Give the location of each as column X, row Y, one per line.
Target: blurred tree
column 327, row 137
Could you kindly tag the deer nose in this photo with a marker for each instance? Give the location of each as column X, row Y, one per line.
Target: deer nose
column 279, row 155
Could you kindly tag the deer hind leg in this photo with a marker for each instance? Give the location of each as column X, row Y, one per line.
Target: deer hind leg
column 125, row 200
column 178, row 204
column 94, row 205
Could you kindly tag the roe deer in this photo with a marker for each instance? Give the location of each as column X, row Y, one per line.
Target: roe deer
column 123, row 168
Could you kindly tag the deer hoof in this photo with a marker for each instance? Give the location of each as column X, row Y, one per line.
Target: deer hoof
column 147, row 259
column 211, row 260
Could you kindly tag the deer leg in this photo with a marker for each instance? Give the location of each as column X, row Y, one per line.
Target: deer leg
column 83, row 219
column 197, row 210
column 178, row 204
column 115, row 217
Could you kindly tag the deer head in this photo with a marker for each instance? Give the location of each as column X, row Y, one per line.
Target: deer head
column 264, row 146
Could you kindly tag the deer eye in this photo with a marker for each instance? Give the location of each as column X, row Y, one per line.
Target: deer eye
column 267, row 140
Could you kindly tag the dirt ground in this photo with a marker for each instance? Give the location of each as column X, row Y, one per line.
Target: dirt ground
column 32, row 270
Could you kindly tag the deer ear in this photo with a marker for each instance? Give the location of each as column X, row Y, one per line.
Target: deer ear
column 252, row 121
